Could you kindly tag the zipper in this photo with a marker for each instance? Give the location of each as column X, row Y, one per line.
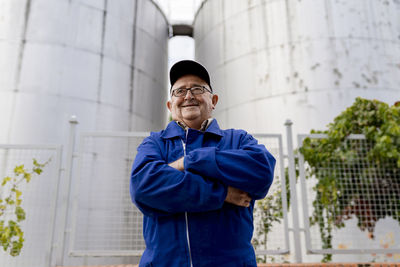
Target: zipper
column 187, row 238
column 186, row 217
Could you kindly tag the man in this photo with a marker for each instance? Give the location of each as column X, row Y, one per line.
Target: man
column 196, row 184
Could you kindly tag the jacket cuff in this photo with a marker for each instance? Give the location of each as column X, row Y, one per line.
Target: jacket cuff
column 201, row 161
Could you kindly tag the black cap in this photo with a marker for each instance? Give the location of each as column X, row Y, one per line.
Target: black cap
column 186, row 67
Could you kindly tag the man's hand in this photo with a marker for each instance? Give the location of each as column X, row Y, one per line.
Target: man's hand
column 177, row 164
column 237, row 197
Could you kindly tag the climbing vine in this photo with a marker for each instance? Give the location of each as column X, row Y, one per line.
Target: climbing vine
column 268, row 213
column 11, row 211
column 336, row 162
column 372, row 166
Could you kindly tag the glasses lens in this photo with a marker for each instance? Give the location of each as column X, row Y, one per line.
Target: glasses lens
column 197, row 90
column 179, row 92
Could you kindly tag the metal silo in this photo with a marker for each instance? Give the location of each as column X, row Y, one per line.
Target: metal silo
column 307, row 60
column 304, row 60
column 103, row 61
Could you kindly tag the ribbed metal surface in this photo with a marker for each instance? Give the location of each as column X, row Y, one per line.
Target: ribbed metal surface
column 103, row 61
column 304, row 60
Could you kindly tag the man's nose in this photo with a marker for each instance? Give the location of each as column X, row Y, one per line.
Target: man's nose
column 189, row 95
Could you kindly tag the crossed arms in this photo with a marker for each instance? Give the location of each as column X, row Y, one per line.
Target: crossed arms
column 234, row 196
column 201, row 181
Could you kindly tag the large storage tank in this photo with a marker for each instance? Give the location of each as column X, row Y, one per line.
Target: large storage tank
column 104, row 62
column 304, row 60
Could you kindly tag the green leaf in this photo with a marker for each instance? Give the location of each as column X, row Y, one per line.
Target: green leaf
column 19, row 170
column 20, row 213
column 37, row 170
column 5, row 180
column 17, row 193
column 27, row 177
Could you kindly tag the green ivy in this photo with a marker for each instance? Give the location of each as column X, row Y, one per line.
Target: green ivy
column 268, row 211
column 373, row 168
column 335, row 202
column 11, row 211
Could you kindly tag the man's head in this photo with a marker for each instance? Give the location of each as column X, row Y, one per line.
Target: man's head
column 195, row 105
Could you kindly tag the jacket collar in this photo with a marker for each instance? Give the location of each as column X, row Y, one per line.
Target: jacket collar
column 174, row 130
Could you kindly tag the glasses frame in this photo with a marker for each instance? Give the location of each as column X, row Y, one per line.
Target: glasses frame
column 204, row 89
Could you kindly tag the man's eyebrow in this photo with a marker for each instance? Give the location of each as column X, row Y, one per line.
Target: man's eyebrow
column 194, row 84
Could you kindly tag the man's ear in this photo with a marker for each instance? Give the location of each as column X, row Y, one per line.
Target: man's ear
column 214, row 100
column 169, row 105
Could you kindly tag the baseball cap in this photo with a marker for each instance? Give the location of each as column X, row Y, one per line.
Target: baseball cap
column 186, row 67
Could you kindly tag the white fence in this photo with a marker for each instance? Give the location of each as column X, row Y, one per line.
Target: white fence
column 94, row 217
column 105, row 222
column 39, row 201
column 364, row 202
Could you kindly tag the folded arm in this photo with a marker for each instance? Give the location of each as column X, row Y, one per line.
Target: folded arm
column 234, row 196
column 249, row 168
column 157, row 188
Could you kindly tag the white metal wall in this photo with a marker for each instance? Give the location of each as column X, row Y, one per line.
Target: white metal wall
column 104, row 61
column 305, row 60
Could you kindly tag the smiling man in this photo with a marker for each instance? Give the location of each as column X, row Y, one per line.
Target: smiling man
column 196, row 184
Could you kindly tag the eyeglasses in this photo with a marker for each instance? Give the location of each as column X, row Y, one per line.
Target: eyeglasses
column 195, row 90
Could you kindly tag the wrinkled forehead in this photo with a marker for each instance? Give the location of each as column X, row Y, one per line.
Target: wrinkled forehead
column 189, row 80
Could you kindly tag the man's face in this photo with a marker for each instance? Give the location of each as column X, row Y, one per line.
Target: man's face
column 191, row 108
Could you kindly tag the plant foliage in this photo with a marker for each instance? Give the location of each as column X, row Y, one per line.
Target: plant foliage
column 11, row 211
column 371, row 166
column 268, row 211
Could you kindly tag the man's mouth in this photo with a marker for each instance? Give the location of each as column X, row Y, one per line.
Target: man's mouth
column 189, row 105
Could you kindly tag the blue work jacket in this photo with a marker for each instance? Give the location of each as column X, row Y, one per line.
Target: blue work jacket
column 186, row 221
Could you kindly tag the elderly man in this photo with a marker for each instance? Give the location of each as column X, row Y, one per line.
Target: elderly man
column 196, row 184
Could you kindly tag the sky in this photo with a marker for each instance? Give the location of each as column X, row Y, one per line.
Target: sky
column 182, row 11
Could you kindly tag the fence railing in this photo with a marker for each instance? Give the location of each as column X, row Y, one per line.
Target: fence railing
column 94, row 217
column 39, row 201
column 354, row 195
column 106, row 223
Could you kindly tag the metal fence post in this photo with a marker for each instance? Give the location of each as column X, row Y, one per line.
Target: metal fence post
column 54, row 208
column 293, row 192
column 68, row 175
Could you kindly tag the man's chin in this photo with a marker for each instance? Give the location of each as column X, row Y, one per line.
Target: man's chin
column 190, row 116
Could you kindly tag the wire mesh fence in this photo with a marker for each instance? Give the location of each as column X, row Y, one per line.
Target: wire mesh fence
column 349, row 204
column 352, row 202
column 270, row 214
column 105, row 220
column 39, row 199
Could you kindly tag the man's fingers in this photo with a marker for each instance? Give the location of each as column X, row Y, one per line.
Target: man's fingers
column 238, row 197
column 245, row 204
column 178, row 164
